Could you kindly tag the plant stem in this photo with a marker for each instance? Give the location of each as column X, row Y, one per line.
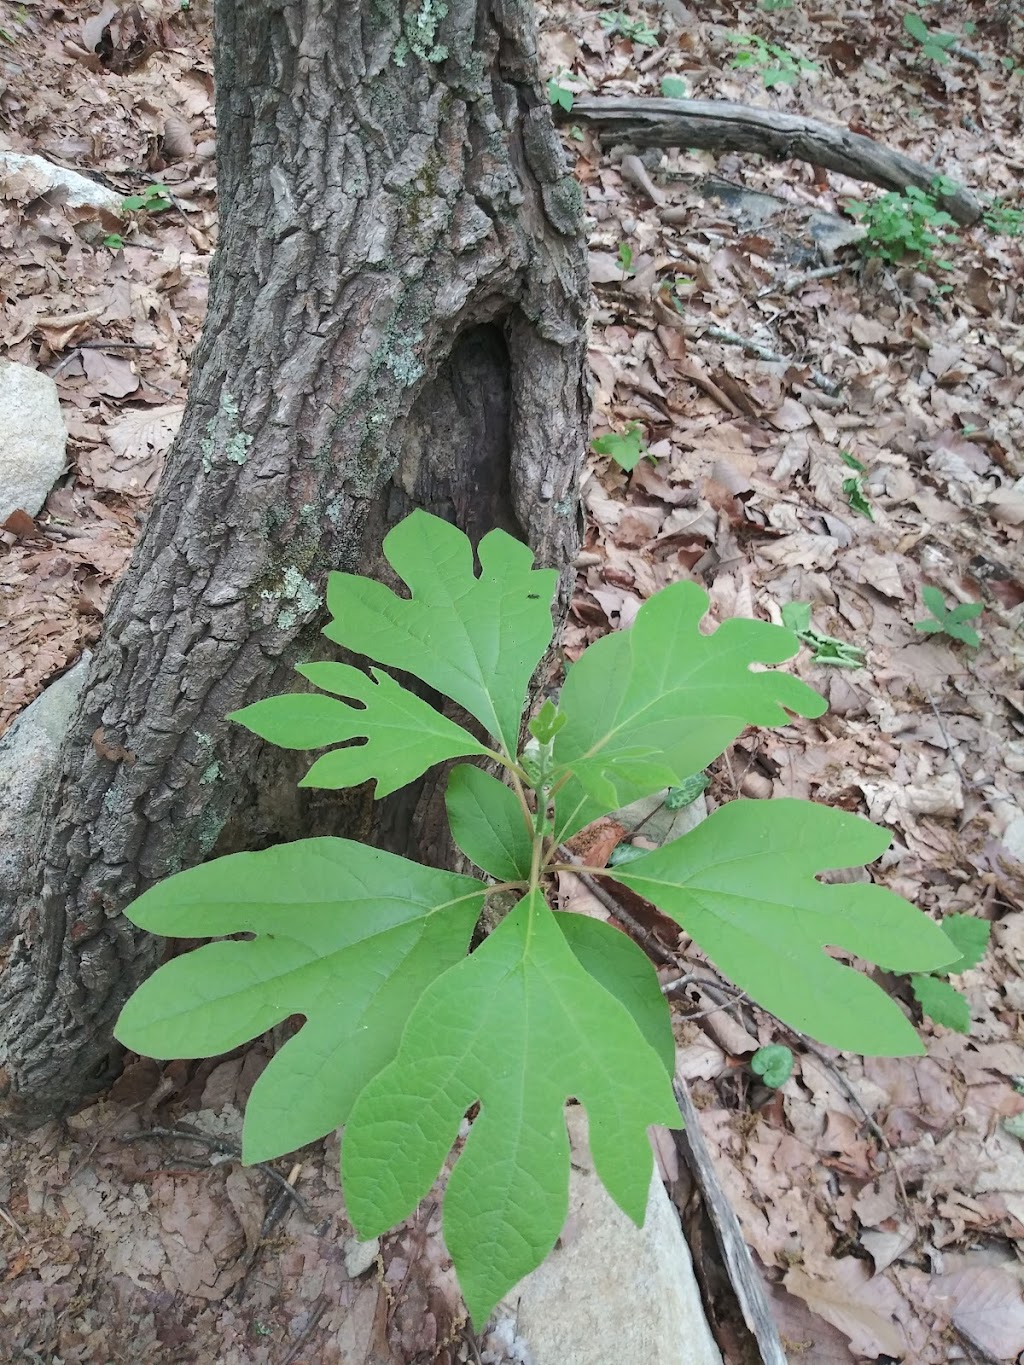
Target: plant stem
column 506, row 886
column 520, row 791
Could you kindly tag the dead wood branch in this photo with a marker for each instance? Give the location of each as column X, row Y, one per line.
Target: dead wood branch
column 719, row 126
column 743, row 1274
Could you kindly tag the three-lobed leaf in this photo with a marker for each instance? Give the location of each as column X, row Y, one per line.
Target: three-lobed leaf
column 950, row 621
column 344, row 934
column 404, row 734
column 519, row 1026
column 475, row 639
column 744, row 885
column 649, row 706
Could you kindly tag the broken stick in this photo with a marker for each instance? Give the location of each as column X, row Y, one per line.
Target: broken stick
column 720, row 126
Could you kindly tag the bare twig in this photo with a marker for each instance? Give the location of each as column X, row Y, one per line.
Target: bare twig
column 11, row 1223
column 822, row 381
column 317, row 1313
column 614, row 907
column 223, row 1148
column 870, row 1122
column 821, row 272
column 949, row 743
column 470, row 1339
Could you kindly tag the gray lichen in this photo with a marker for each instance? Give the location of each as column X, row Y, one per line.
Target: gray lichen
column 234, row 442
column 419, row 32
column 297, row 591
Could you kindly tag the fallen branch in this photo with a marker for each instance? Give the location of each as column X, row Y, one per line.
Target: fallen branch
column 719, row 126
column 747, row 1284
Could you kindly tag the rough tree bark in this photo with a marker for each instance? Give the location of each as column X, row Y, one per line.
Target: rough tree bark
column 397, row 318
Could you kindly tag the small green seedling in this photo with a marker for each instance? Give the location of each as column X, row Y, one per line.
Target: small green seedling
column 626, row 448
column 675, row 799
column 796, row 616
column 938, row 999
column 559, row 95
column 774, row 1064
column 114, row 241
column 1004, row 219
column 563, row 89
column 904, row 227
column 153, row 199
column 674, row 88
column 950, row 622
column 853, row 487
column 934, row 43
column 634, row 30
column 408, row 1028
column 625, row 255
column 777, row 65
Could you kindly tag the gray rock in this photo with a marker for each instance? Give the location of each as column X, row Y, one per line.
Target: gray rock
column 28, row 762
column 614, row 1294
column 43, row 176
column 32, row 438
column 360, row 1256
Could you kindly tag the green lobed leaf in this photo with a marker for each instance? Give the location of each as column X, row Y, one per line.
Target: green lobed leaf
column 519, row 1026
column 404, row 734
column 627, row 448
column 942, row 1002
column 474, row 639
column 744, row 885
column 965, row 634
column 488, row 823
column 346, row 935
column 625, row 971
column 796, row 616
column 546, row 723
column 966, row 611
column 649, row 706
column 934, row 601
column 969, row 936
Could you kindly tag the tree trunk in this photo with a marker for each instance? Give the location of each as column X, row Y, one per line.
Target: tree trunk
column 397, row 318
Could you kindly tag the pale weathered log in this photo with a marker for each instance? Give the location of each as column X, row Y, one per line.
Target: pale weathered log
column 397, row 318
column 720, row 126
column 743, row 1275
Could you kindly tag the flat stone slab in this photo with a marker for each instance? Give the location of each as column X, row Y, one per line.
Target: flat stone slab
column 40, row 176
column 32, row 438
column 613, row 1294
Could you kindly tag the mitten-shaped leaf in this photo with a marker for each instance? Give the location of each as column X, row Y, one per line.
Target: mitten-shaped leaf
column 488, row 823
column 344, row 934
column 519, row 1026
column 477, row 640
column 649, row 706
column 744, row 885
column 404, row 734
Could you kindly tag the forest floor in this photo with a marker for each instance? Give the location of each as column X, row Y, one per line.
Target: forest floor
column 881, row 453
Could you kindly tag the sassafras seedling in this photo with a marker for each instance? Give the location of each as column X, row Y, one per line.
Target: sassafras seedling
column 405, row 1030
